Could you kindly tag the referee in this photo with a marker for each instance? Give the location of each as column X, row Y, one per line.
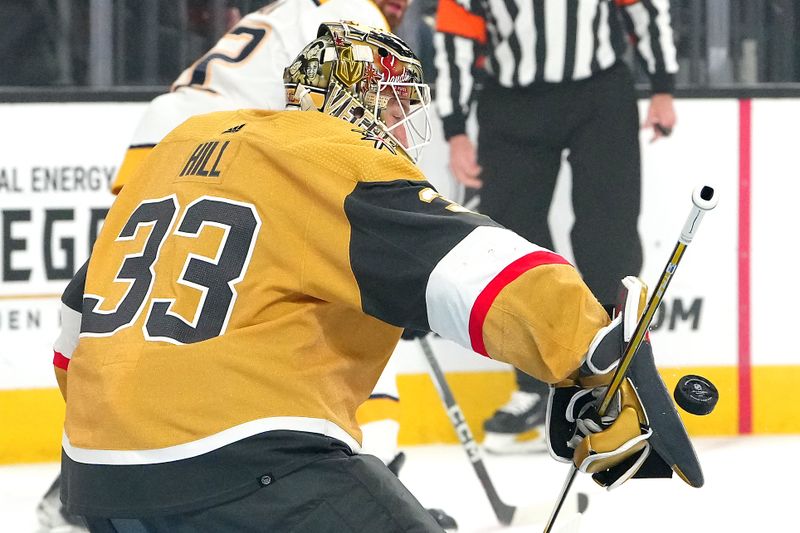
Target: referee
column 552, row 78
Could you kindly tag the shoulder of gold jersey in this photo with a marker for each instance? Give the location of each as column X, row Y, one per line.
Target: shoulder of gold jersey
column 328, row 144
column 338, row 144
column 211, row 125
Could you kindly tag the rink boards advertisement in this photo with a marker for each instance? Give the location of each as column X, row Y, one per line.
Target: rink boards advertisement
column 726, row 314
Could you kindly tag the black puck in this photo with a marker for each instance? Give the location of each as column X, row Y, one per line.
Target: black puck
column 696, row 395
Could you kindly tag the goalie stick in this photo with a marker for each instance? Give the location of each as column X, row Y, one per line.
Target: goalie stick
column 506, row 514
column 704, row 199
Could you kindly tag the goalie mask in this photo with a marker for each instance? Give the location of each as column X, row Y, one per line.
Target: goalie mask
column 368, row 77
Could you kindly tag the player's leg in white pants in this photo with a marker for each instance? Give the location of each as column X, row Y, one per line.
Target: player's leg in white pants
column 379, row 417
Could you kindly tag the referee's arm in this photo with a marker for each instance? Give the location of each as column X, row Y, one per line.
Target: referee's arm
column 459, row 33
column 649, row 23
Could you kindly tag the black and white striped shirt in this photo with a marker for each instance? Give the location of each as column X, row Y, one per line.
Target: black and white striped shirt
column 529, row 42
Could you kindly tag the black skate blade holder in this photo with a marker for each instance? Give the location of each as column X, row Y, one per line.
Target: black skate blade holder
column 704, row 199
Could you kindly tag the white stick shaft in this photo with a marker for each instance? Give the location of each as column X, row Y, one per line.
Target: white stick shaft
column 704, row 199
column 691, row 225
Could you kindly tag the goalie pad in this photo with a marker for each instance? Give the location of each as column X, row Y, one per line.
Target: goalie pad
column 642, row 434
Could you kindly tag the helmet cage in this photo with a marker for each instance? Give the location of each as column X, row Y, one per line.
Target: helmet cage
column 369, row 78
column 411, row 101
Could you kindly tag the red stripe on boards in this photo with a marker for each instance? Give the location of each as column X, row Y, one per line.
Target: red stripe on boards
column 745, row 355
column 487, row 296
column 59, row 361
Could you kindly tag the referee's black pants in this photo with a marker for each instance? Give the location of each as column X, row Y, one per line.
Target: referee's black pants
column 522, row 135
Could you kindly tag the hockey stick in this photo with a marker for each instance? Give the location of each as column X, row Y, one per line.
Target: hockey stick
column 506, row 514
column 704, row 200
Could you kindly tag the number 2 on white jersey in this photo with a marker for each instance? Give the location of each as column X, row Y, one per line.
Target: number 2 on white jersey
column 233, row 49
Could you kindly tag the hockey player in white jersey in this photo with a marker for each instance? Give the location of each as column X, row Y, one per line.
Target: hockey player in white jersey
column 245, row 68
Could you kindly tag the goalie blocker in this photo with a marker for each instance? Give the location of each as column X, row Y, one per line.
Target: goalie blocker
column 642, row 434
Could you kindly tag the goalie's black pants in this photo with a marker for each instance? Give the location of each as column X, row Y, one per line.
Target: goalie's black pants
column 340, row 493
column 522, row 134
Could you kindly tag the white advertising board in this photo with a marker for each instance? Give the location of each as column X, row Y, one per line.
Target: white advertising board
column 775, row 214
column 699, row 322
column 56, row 163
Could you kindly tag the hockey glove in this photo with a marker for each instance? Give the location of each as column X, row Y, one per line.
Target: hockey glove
column 612, row 447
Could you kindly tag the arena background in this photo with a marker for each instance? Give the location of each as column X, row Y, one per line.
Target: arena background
column 727, row 314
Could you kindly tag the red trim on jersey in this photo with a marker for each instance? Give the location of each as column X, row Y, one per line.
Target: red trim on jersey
column 59, row 361
column 487, row 296
column 745, row 354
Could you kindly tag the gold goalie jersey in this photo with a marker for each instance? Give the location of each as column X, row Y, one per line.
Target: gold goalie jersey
column 255, row 277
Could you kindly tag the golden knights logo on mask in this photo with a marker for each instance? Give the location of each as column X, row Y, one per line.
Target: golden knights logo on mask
column 347, row 69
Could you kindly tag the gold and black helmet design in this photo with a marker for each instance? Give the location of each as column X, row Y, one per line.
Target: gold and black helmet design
column 368, row 77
